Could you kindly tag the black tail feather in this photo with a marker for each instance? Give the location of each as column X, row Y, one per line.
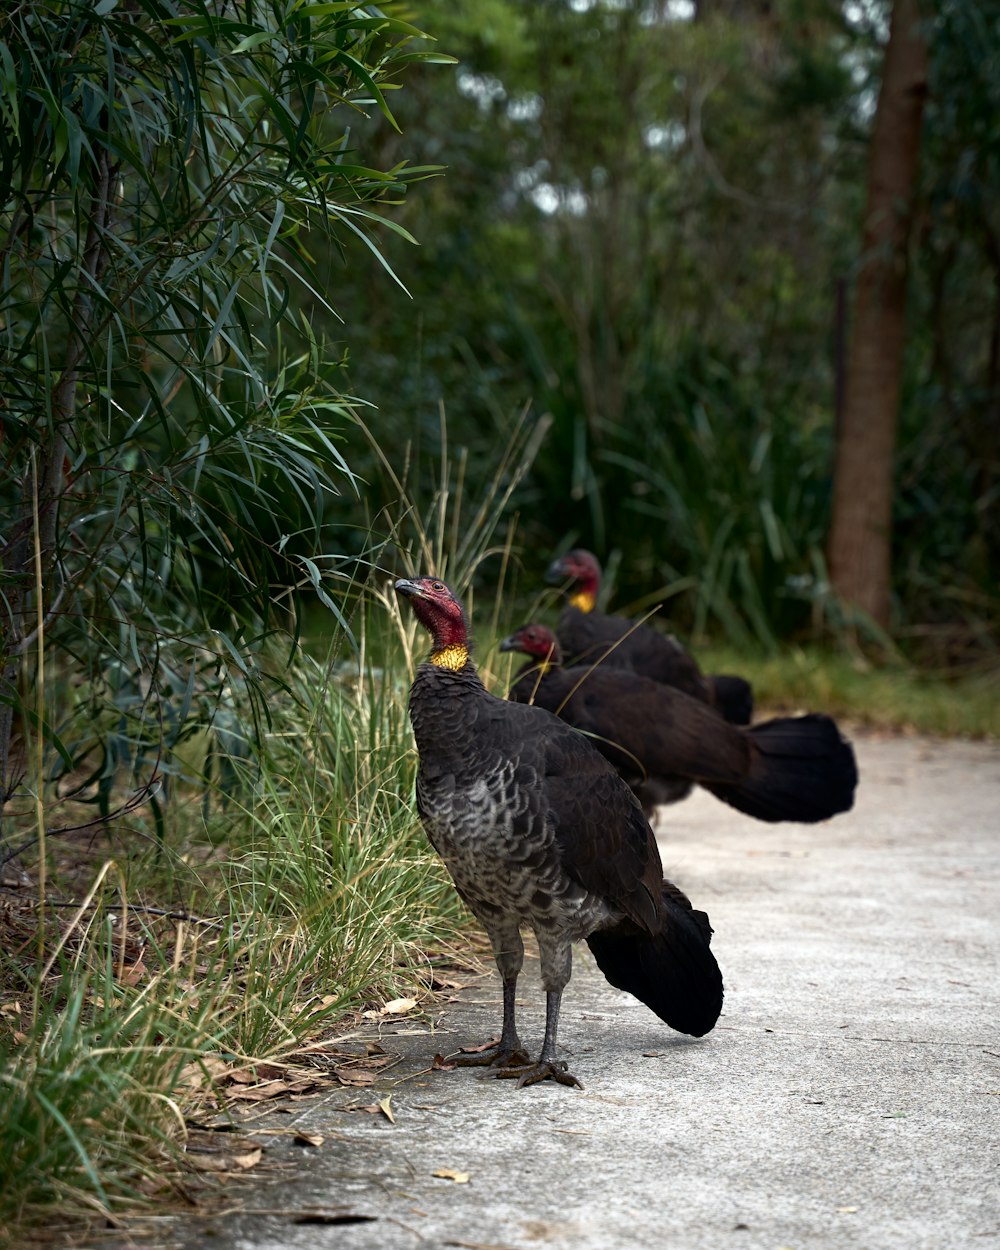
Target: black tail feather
column 802, row 769
column 673, row 972
column 732, row 698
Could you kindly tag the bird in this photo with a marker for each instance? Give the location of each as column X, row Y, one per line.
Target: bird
column 662, row 741
column 538, row 831
column 587, row 635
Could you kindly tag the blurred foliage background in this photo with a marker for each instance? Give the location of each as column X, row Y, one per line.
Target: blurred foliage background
column 648, row 228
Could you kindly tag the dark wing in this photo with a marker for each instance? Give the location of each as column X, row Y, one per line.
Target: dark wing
column 605, row 842
column 661, row 658
column 615, row 641
column 544, row 688
column 660, row 730
column 585, row 636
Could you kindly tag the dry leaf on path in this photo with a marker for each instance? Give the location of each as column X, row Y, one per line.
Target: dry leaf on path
column 397, row 1007
column 354, row 1076
column 382, row 1107
column 363, row 1069
column 204, row 1071
column 449, row 1174
column 134, row 973
column 258, row 1072
column 478, row 1050
column 269, row 1089
column 440, row 982
column 214, row 1152
column 308, row 1139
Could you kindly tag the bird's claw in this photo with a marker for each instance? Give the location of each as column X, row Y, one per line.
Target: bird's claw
column 499, row 1055
column 544, row 1070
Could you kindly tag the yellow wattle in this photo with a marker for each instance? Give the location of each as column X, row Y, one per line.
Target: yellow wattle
column 454, row 657
column 583, row 600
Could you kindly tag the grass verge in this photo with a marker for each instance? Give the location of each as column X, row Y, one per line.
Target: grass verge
column 888, row 697
column 316, row 895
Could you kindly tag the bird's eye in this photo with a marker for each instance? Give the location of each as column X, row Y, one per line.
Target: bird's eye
column 437, row 586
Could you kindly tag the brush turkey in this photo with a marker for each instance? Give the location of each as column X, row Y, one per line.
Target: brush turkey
column 587, row 635
column 539, row 831
column 661, row 740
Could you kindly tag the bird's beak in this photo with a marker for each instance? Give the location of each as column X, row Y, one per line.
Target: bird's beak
column 510, row 643
column 555, row 572
column 410, row 589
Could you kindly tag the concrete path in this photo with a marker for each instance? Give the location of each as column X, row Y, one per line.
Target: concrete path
column 849, row 1097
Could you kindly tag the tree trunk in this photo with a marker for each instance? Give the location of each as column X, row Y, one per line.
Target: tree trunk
column 860, row 535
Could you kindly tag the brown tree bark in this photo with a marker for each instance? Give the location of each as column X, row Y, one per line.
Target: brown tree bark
column 860, row 534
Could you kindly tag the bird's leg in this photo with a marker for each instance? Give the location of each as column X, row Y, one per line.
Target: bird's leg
column 548, row 1067
column 508, row 1051
column 508, row 951
column 556, row 953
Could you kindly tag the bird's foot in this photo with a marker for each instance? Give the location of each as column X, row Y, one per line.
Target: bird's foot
column 499, row 1054
column 543, row 1070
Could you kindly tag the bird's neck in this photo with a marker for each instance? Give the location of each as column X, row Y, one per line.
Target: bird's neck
column 584, row 599
column 441, row 700
column 453, row 656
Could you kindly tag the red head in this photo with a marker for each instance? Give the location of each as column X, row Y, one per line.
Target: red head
column 442, row 615
column 537, row 641
column 583, row 572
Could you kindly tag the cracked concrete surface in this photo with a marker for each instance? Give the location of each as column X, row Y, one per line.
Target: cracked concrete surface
column 849, row 1098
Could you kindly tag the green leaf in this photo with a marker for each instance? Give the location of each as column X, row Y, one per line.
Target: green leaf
column 249, row 42
column 361, row 72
